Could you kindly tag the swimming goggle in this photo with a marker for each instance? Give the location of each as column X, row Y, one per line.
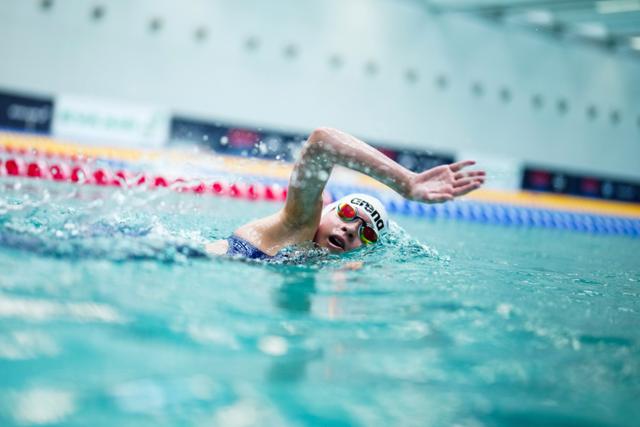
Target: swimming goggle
column 348, row 213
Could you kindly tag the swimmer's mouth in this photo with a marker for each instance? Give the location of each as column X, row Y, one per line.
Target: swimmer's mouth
column 336, row 241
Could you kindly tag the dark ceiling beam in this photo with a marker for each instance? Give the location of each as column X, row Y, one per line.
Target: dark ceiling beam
column 622, row 22
column 514, row 6
column 568, row 17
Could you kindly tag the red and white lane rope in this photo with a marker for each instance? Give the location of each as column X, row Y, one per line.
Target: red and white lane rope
column 74, row 170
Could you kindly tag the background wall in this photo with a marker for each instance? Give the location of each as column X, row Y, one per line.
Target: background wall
column 388, row 70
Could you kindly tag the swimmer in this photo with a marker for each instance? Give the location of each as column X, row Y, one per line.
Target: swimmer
column 352, row 221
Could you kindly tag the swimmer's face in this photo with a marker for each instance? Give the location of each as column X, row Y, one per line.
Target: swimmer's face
column 337, row 235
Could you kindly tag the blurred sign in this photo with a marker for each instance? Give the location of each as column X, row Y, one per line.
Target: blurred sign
column 415, row 160
column 235, row 140
column 539, row 179
column 243, row 138
column 93, row 120
column 271, row 144
column 25, row 113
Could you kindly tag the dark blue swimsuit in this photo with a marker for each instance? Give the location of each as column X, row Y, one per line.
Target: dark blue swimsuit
column 240, row 247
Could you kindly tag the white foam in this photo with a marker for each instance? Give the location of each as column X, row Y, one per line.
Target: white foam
column 38, row 309
column 43, row 406
column 504, row 310
column 24, row 345
column 248, row 412
column 273, row 345
column 208, row 334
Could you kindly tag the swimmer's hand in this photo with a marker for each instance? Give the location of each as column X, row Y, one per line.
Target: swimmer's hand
column 444, row 182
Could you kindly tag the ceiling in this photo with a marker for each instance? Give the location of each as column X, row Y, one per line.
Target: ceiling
column 610, row 24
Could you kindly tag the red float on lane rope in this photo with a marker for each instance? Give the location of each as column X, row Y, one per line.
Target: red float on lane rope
column 142, row 179
column 268, row 193
column 199, row 189
column 218, row 188
column 36, row 170
column 253, row 192
column 78, row 174
column 101, row 177
column 236, row 190
column 121, row 178
column 14, row 167
column 160, row 182
column 277, row 192
column 59, row 172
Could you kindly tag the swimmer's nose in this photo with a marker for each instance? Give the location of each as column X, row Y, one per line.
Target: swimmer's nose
column 350, row 230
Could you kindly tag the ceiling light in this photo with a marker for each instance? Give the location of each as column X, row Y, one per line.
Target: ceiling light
column 617, row 6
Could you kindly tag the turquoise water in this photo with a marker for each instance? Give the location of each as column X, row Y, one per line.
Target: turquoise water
column 103, row 322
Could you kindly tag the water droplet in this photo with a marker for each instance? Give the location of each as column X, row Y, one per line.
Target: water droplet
column 504, row 310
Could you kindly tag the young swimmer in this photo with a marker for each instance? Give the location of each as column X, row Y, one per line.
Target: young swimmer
column 352, row 221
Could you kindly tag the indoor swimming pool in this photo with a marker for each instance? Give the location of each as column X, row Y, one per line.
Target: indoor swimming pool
column 469, row 171
column 106, row 319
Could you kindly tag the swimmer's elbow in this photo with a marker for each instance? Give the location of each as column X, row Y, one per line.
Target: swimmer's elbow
column 320, row 134
column 320, row 139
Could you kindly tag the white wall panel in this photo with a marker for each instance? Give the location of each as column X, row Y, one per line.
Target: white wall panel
column 62, row 50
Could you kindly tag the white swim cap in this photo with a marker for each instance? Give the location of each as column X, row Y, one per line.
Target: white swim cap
column 368, row 207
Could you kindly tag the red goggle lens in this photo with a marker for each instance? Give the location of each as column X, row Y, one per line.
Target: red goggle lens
column 368, row 234
column 347, row 212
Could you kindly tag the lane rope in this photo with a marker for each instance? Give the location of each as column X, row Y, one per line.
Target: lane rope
column 84, row 171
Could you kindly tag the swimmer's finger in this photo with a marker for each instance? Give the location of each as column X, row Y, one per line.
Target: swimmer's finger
column 455, row 167
column 465, row 181
column 461, row 191
column 470, row 174
column 462, row 182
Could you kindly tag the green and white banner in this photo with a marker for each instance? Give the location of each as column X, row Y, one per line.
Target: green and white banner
column 107, row 122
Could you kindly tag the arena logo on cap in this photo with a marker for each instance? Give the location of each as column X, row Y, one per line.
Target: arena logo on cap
column 375, row 215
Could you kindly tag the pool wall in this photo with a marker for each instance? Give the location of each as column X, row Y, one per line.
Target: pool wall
column 393, row 71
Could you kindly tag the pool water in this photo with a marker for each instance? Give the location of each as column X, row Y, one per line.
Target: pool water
column 104, row 322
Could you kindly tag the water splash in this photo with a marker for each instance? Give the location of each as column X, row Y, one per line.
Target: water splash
column 125, row 225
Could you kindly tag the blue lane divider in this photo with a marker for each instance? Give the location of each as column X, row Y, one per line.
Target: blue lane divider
column 506, row 215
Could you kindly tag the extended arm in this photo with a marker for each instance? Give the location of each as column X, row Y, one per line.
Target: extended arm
column 327, row 147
